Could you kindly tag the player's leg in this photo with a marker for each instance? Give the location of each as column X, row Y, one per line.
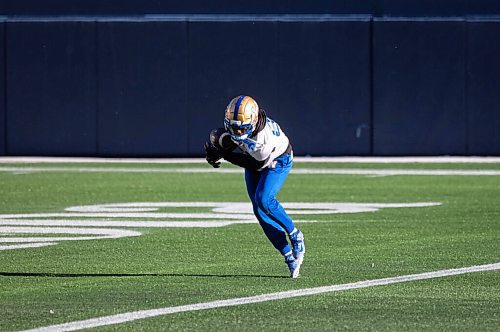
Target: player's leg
column 272, row 179
column 273, row 230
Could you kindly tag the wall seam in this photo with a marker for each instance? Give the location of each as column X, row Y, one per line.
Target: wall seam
column 96, row 68
column 466, row 85
column 5, row 87
column 188, row 88
column 371, row 87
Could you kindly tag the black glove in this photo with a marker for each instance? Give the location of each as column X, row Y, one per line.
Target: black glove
column 213, row 154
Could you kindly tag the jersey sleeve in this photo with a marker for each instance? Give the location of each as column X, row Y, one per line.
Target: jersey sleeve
column 260, row 151
column 243, row 160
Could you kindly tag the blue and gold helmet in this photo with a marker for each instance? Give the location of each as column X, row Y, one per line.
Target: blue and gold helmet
column 241, row 117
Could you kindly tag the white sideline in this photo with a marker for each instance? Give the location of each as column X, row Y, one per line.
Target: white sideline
column 311, row 171
column 136, row 315
column 408, row 159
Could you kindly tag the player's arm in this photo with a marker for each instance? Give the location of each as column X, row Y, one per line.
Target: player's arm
column 254, row 158
column 244, row 160
column 218, row 144
column 213, row 154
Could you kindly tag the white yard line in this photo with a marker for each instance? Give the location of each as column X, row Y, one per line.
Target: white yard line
column 136, row 315
column 90, row 160
column 400, row 160
column 434, row 159
column 337, row 171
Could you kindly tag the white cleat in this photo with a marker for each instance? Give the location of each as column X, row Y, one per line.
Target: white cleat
column 293, row 266
column 298, row 246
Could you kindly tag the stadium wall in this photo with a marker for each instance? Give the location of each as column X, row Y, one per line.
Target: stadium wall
column 380, row 8
column 338, row 85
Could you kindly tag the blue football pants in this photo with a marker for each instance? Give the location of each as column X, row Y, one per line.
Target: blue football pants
column 262, row 188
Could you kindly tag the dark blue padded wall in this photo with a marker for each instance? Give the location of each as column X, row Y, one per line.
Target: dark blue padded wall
column 135, row 7
column 142, row 78
column 483, row 87
column 51, row 95
column 3, row 127
column 419, row 88
column 422, row 8
column 227, row 59
column 324, row 86
column 337, row 86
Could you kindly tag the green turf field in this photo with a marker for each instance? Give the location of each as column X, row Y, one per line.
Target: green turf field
column 158, row 267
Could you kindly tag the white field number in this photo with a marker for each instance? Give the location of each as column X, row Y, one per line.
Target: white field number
column 110, row 221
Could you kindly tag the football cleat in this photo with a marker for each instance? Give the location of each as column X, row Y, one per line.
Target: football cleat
column 298, row 247
column 293, row 266
column 241, row 117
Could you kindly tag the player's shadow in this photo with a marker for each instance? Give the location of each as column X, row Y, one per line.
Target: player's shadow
column 82, row 275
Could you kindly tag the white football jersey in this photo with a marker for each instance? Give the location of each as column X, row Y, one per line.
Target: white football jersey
column 268, row 144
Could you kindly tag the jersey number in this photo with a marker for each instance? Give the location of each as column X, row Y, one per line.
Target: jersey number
column 275, row 128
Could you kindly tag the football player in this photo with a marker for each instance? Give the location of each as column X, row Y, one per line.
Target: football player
column 267, row 157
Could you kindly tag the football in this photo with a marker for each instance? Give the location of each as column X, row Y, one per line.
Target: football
column 221, row 138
